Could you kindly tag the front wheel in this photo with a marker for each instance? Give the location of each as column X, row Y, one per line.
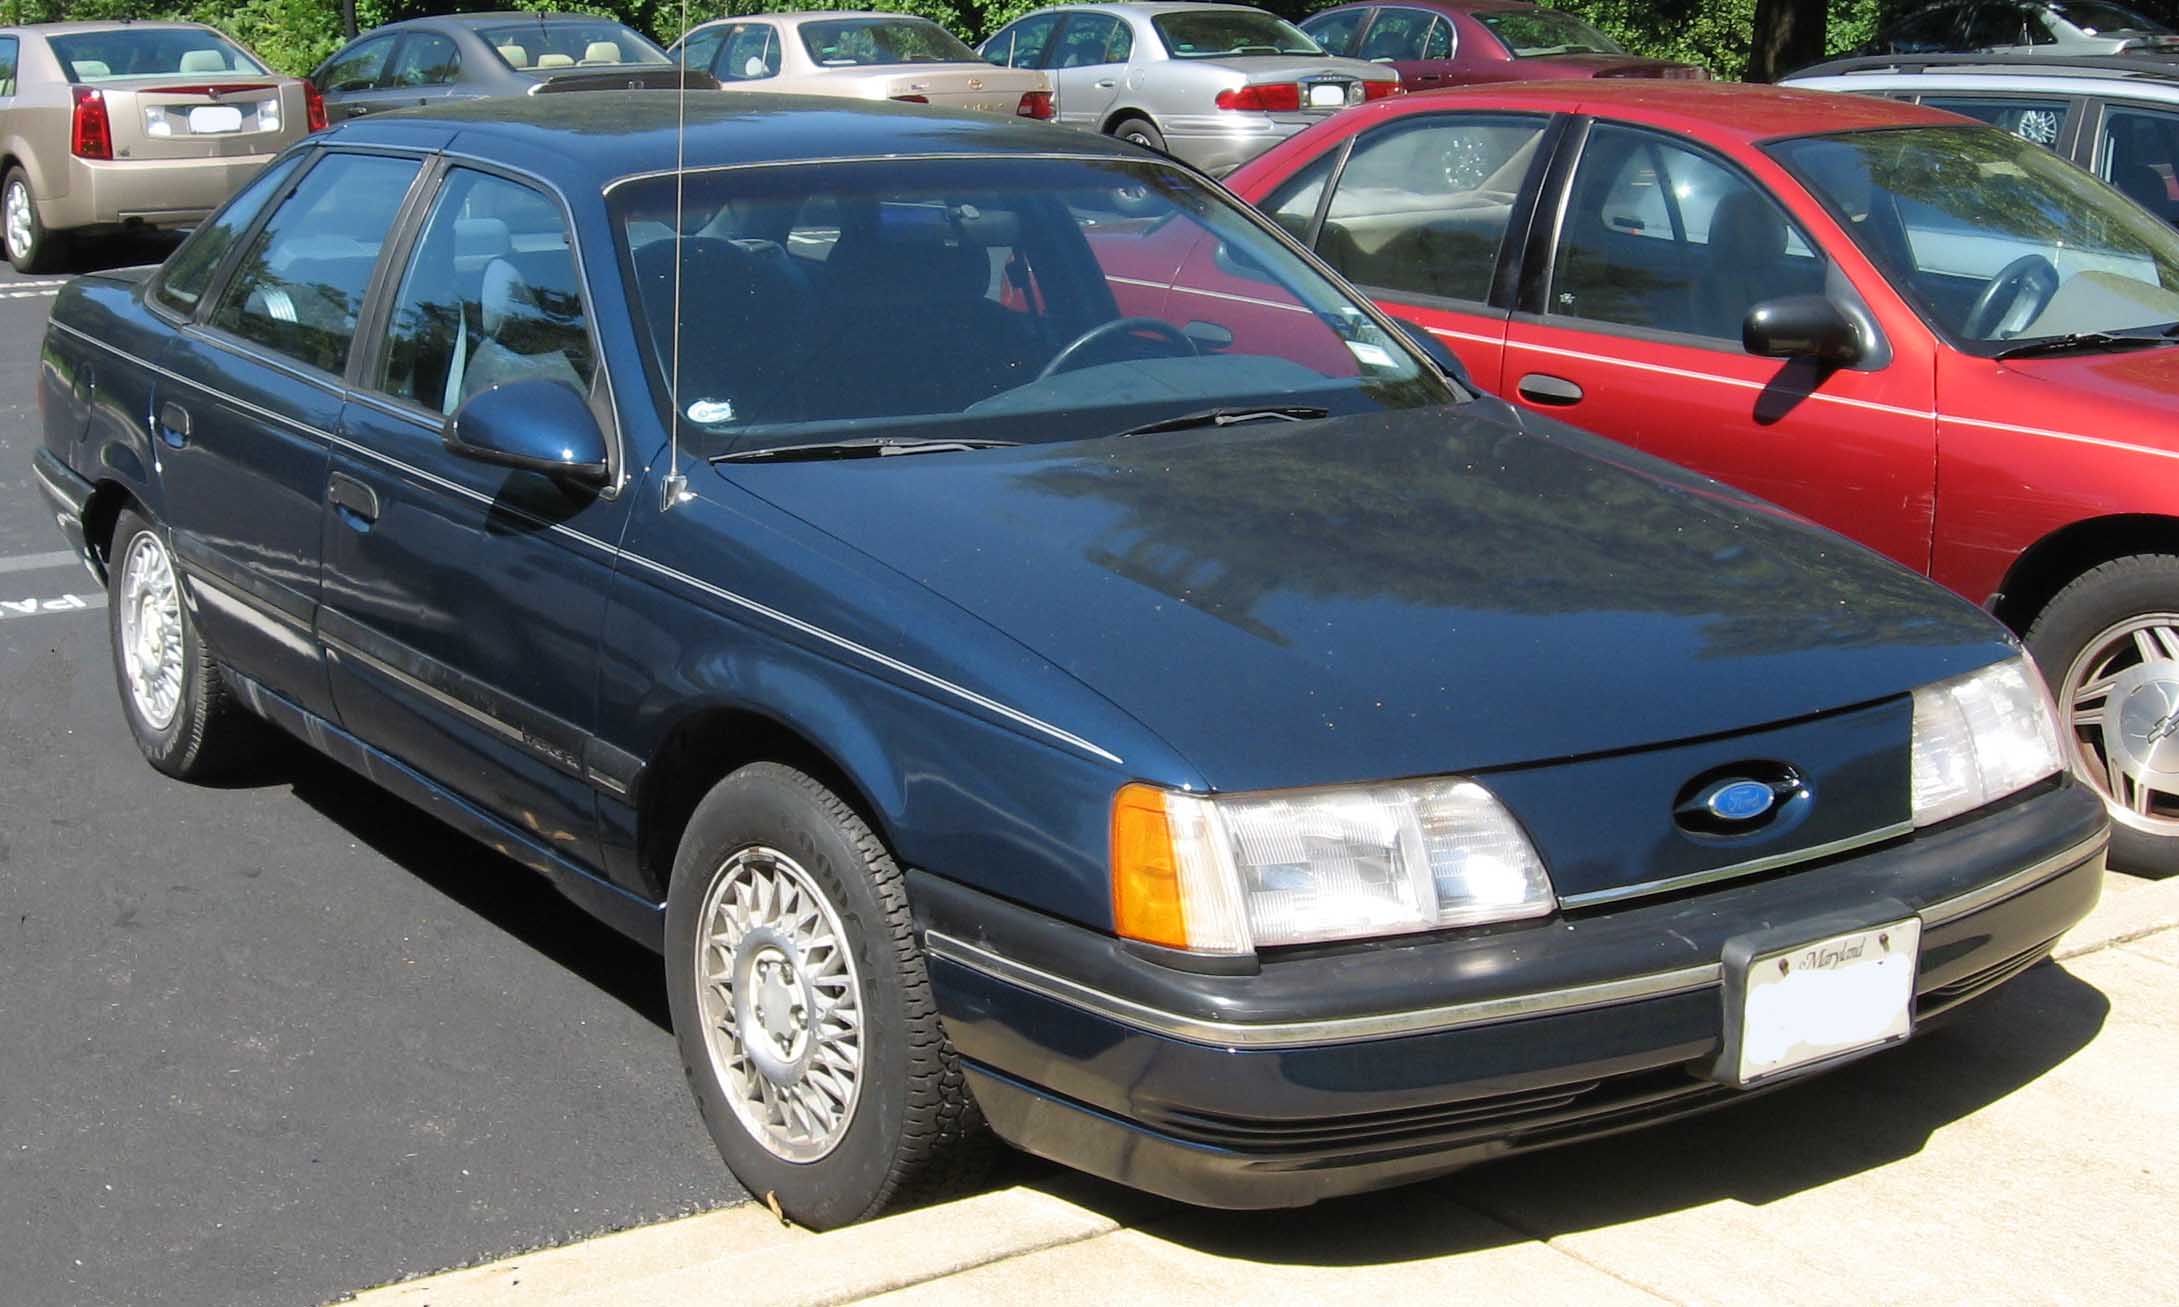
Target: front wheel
column 1142, row 132
column 803, row 1010
column 31, row 248
column 2109, row 642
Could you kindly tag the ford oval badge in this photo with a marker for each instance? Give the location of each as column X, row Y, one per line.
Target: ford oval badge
column 1740, row 800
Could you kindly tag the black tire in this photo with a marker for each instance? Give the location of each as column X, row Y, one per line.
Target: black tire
column 912, row 1132
column 45, row 248
column 2097, row 602
column 1142, row 132
column 208, row 730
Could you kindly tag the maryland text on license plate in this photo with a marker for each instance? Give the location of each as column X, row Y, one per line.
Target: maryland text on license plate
column 1817, row 1000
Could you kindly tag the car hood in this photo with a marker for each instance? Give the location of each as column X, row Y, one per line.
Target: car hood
column 1397, row 594
column 2131, row 396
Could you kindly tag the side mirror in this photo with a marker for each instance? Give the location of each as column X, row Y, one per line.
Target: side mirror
column 537, row 426
column 1438, row 352
column 1801, row 326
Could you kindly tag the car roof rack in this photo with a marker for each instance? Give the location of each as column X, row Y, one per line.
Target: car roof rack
column 2151, row 67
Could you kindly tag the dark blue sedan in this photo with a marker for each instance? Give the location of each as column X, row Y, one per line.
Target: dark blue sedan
column 1038, row 656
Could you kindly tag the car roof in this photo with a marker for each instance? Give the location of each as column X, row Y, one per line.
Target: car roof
column 1441, row 6
column 114, row 25
column 1148, row 7
column 497, row 17
column 1999, row 69
column 791, row 17
column 1716, row 111
column 584, row 142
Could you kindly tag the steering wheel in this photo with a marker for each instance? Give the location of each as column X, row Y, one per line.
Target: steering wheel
column 1067, row 359
column 2030, row 274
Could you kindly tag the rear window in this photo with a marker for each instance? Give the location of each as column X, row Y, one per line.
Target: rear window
column 1213, row 33
column 149, row 52
column 542, row 47
column 876, row 42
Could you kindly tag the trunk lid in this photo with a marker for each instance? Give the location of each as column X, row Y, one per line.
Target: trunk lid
column 623, row 77
column 194, row 116
column 967, row 86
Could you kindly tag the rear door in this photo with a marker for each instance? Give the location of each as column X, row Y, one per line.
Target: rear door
column 749, row 53
column 2136, row 149
column 1629, row 322
column 1088, row 59
column 1413, row 42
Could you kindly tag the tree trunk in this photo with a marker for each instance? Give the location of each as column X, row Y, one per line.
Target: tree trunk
column 1789, row 34
column 348, row 20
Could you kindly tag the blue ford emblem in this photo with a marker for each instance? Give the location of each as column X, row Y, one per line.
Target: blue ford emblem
column 1740, row 800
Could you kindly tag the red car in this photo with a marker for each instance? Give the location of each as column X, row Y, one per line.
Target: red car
column 1439, row 43
column 1926, row 333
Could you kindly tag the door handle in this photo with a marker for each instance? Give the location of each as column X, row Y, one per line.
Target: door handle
column 1543, row 388
column 1107, row 83
column 355, row 502
column 173, row 424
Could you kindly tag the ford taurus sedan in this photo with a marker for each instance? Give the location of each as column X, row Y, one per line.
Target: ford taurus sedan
column 1037, row 656
column 1924, row 332
column 1213, row 84
column 865, row 56
column 111, row 126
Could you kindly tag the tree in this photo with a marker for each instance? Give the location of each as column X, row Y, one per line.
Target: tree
column 1789, row 34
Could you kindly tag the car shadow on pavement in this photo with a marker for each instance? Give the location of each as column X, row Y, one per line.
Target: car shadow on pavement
column 1860, row 1117
column 129, row 250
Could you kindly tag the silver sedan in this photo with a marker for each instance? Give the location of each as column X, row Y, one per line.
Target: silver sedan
column 1215, row 85
column 863, row 56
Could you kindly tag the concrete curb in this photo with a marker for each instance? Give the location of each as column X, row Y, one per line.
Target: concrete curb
column 2131, row 907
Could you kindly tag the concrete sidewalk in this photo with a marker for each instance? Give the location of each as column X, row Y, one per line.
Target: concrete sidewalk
column 2026, row 1153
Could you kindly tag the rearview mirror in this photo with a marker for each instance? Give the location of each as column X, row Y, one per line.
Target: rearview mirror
column 1438, row 352
column 537, row 426
column 1801, row 326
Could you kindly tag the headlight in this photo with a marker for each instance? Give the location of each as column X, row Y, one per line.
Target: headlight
column 1230, row 875
column 1979, row 737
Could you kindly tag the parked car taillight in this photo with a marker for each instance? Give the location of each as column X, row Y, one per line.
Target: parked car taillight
column 1264, row 97
column 1034, row 104
column 90, row 133
column 913, row 99
column 1381, row 90
column 313, row 107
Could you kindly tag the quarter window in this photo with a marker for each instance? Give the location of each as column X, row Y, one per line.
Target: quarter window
column 357, row 68
column 490, row 298
column 189, row 269
column 300, row 284
column 426, row 59
column 1422, row 206
column 7, row 65
column 1660, row 236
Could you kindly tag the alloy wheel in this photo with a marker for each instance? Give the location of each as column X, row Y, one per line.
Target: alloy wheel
column 18, row 219
column 2121, row 700
column 781, row 1004
column 151, row 631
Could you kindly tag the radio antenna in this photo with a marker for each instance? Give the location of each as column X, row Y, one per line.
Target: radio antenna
column 676, row 489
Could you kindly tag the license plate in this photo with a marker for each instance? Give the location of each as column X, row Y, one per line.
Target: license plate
column 1327, row 96
column 1818, row 1000
column 214, row 118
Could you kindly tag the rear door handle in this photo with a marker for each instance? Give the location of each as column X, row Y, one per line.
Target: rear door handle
column 355, row 502
column 1107, row 84
column 173, row 424
column 1543, row 388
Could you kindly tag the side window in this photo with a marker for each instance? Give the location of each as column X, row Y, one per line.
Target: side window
column 1335, row 31
column 2040, row 121
column 1030, row 36
column 1659, row 236
column 1293, row 206
column 1122, row 47
column 1439, row 44
column 1085, row 41
column 300, row 284
column 189, row 269
column 357, row 68
column 7, row 65
column 1397, row 34
column 1994, row 24
column 701, row 49
column 2139, row 154
column 491, row 297
column 426, row 59
column 1422, row 205
column 751, row 53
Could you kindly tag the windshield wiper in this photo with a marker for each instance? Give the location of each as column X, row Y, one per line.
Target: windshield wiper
column 865, row 447
column 1231, row 417
column 2085, row 340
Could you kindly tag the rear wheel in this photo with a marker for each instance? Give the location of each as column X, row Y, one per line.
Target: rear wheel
column 1142, row 132
column 2109, row 642
column 803, row 1011
column 180, row 711
column 31, row 248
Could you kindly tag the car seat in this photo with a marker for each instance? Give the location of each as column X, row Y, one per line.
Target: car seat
column 203, row 61
column 516, row 55
column 601, row 52
column 1745, row 262
column 555, row 61
column 521, row 341
column 745, row 347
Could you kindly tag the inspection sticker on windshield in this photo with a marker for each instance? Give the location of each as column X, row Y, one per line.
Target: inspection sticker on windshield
column 711, row 412
column 1817, row 1000
column 1374, row 356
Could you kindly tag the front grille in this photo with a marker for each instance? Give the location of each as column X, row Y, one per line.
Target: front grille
column 1983, row 981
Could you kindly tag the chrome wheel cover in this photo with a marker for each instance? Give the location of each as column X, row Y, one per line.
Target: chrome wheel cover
column 18, row 221
column 151, row 631
column 781, row 1006
column 2121, row 699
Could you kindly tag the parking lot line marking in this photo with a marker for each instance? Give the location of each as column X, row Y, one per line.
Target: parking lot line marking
column 28, row 294
column 27, row 283
column 38, row 562
column 10, row 609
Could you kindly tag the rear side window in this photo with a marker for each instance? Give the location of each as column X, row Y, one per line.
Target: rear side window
column 1022, row 45
column 752, row 53
column 426, row 59
column 1402, row 34
column 189, row 269
column 1335, row 31
column 701, row 48
column 1423, row 205
column 300, row 283
column 7, row 65
column 357, row 68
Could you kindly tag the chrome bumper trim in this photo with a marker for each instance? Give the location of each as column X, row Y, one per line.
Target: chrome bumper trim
column 1442, row 1017
column 1753, row 866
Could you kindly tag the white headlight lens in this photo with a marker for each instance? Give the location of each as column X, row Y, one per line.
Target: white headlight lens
column 1321, row 865
column 1980, row 737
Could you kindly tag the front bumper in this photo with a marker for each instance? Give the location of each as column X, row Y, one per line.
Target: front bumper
column 1341, row 1070
column 154, row 192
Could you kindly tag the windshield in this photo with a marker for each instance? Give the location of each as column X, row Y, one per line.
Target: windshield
column 2095, row 18
column 149, row 52
column 1210, row 33
column 1008, row 299
column 1993, row 239
column 876, row 42
column 542, row 46
column 1540, row 33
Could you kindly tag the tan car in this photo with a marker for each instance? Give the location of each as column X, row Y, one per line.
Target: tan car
column 864, row 56
column 109, row 126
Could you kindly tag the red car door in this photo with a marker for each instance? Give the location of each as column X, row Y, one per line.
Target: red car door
column 1629, row 325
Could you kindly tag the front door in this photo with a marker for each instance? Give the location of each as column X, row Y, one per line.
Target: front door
column 243, row 434
column 1634, row 331
column 423, row 69
column 463, row 600
column 353, row 84
column 1088, row 61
